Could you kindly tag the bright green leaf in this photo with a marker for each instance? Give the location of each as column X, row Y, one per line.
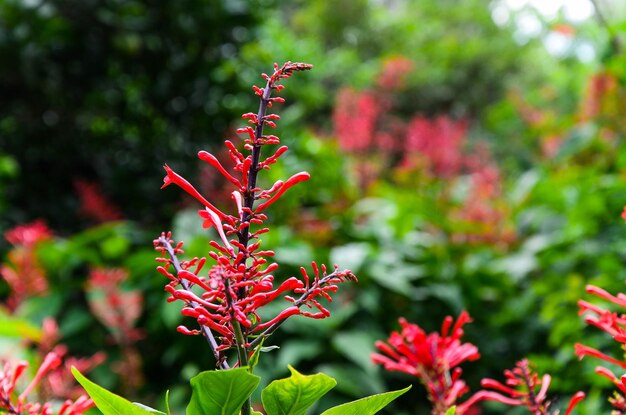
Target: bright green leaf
column 451, row 411
column 295, row 394
column 108, row 402
column 254, row 359
column 367, row 406
column 12, row 327
column 221, row 392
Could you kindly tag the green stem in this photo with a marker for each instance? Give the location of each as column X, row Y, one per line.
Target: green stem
column 240, row 341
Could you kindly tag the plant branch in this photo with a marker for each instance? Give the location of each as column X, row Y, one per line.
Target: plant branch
column 298, row 303
column 206, row 332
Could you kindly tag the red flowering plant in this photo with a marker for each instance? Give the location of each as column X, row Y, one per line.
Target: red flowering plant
column 424, row 152
column 118, row 310
column 614, row 324
column 19, row 404
column 23, row 272
column 225, row 298
column 524, row 387
column 435, row 357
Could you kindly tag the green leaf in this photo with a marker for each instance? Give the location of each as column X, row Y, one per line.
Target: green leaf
column 451, row 411
column 221, row 392
column 254, row 359
column 108, row 402
column 367, row 406
column 12, row 327
column 295, row 394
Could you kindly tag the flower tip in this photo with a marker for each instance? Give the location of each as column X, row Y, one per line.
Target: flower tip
column 167, row 180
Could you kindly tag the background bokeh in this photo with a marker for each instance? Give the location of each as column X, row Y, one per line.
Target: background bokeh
column 464, row 155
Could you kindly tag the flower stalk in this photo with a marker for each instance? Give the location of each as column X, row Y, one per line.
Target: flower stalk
column 225, row 298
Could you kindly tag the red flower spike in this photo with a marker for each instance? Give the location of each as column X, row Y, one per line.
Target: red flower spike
column 11, row 403
column 433, row 358
column 523, row 388
column 225, row 300
column 615, row 325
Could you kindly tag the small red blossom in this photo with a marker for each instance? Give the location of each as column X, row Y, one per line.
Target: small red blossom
column 28, row 234
column 394, row 73
column 117, row 309
column 94, row 204
column 624, row 213
column 434, row 358
column 12, row 403
column 23, row 272
column 439, row 141
column 523, row 387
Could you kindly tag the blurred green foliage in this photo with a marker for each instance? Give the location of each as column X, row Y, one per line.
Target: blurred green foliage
column 109, row 90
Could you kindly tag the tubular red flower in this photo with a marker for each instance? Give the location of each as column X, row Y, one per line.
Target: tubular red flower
column 215, row 221
column 174, row 178
column 213, row 161
column 620, row 299
column 582, row 351
column 296, row 178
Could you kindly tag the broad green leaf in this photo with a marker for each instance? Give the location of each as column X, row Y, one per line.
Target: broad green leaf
column 108, row 402
column 451, row 411
column 12, row 327
column 366, row 406
column 295, row 394
column 221, row 392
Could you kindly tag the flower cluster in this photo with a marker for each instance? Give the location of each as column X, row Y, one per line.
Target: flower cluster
column 118, row 310
column 614, row 324
column 23, row 272
column 59, row 382
column 434, row 358
column 225, row 298
column 10, row 374
column 434, row 147
column 524, row 387
column 94, row 204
